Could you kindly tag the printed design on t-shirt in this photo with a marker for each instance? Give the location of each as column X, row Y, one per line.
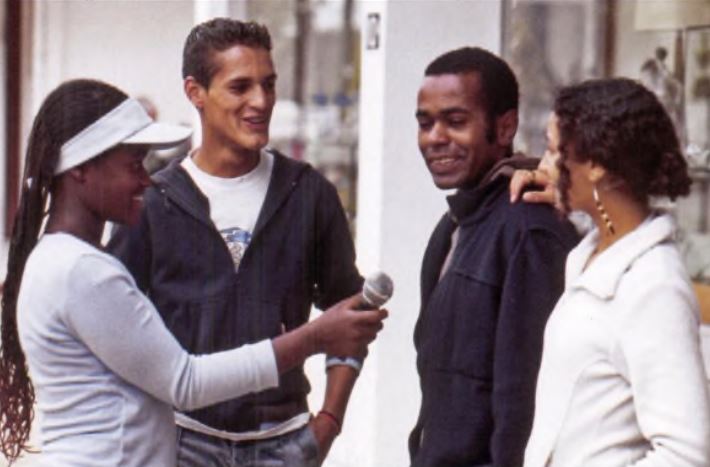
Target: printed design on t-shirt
column 237, row 241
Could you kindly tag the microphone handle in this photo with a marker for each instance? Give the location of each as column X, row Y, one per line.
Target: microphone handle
column 364, row 304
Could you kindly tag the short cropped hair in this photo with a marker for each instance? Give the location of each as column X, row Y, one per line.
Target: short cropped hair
column 217, row 35
column 499, row 88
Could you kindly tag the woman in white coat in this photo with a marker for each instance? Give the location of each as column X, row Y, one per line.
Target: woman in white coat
column 622, row 381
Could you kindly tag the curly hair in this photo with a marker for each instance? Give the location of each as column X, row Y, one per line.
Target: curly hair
column 620, row 125
column 499, row 87
column 217, row 35
column 64, row 113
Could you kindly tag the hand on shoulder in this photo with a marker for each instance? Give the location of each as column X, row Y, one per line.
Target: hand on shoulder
column 533, row 186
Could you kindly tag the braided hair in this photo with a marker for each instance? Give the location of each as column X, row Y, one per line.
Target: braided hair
column 66, row 111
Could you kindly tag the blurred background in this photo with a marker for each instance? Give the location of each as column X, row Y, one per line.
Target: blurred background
column 349, row 72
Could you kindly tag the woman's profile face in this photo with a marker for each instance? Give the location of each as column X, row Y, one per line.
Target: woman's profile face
column 570, row 175
column 117, row 181
column 548, row 163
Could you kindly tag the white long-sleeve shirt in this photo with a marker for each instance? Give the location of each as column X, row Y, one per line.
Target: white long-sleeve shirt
column 622, row 381
column 106, row 371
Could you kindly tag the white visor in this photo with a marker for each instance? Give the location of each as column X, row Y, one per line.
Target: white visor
column 126, row 124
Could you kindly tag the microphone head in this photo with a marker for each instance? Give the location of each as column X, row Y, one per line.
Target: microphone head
column 377, row 289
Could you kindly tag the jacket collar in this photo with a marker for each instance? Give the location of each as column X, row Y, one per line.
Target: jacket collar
column 468, row 200
column 603, row 275
column 284, row 178
column 175, row 183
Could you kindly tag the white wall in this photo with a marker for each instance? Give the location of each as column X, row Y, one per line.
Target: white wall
column 137, row 47
column 124, row 43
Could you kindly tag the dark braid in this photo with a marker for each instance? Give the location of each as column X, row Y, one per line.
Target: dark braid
column 65, row 112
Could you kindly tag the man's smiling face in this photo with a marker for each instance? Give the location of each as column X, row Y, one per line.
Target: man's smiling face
column 453, row 130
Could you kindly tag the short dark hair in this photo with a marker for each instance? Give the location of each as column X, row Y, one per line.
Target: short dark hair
column 499, row 88
column 217, row 35
column 620, row 125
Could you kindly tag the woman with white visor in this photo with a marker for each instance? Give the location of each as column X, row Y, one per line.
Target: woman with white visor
column 106, row 371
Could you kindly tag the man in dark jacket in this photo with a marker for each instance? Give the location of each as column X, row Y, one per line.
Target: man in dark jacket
column 235, row 245
column 491, row 274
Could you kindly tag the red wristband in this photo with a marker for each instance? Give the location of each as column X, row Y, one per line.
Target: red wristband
column 333, row 419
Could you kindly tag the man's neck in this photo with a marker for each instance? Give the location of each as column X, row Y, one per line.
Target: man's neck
column 225, row 162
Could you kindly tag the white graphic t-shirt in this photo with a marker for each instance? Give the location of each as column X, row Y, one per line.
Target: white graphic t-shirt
column 235, row 203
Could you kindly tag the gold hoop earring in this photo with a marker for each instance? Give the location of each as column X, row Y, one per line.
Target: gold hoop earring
column 602, row 212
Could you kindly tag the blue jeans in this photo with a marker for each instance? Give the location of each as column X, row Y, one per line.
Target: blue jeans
column 298, row 448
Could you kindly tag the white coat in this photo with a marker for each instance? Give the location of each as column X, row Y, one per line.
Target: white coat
column 622, row 381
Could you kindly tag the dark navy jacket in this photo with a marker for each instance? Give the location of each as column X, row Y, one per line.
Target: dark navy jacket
column 300, row 254
column 479, row 333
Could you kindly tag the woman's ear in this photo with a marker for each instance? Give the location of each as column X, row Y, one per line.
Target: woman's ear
column 596, row 173
column 78, row 174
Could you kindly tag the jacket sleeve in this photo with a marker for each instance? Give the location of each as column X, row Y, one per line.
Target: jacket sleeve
column 336, row 275
column 660, row 356
column 132, row 246
column 533, row 283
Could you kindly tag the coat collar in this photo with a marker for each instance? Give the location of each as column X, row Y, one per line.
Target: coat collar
column 603, row 275
column 467, row 200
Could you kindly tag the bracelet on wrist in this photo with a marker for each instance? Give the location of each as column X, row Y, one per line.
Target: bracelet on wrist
column 332, row 418
column 352, row 362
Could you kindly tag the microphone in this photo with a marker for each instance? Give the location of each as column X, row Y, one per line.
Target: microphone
column 376, row 290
